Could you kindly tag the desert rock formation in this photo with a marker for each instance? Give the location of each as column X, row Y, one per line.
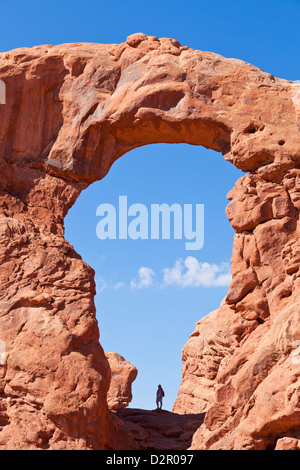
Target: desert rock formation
column 123, row 373
column 70, row 111
column 160, row 429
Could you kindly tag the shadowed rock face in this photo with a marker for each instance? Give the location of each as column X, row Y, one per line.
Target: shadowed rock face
column 160, row 429
column 70, row 111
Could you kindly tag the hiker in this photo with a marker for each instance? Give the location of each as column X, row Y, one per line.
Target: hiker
column 159, row 397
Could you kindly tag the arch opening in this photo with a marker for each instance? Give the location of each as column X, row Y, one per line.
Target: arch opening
column 148, row 296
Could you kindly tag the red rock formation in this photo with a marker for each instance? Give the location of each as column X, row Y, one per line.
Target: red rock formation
column 160, row 429
column 249, row 366
column 123, row 374
column 210, row 343
column 72, row 110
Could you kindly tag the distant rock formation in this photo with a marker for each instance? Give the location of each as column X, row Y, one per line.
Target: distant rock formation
column 69, row 112
column 123, row 374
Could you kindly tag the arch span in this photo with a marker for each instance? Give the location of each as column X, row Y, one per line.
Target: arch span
column 70, row 112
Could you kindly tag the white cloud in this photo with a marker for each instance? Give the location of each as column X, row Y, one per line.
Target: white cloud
column 145, row 278
column 188, row 272
column 192, row 273
column 101, row 284
column 118, row 285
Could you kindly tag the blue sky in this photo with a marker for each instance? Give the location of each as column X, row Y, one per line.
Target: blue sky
column 142, row 316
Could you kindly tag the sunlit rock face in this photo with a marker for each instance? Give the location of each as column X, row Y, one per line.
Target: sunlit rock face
column 67, row 113
column 123, row 373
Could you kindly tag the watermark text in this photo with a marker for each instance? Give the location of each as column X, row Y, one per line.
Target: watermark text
column 163, row 221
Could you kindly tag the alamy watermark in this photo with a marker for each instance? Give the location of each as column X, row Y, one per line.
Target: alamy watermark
column 2, row 92
column 163, row 221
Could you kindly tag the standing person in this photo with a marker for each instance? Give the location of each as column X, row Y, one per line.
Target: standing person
column 159, row 397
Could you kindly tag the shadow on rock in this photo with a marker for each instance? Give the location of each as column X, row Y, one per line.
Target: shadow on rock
column 160, row 429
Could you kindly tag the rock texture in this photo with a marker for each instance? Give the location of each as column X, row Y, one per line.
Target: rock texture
column 242, row 363
column 209, row 344
column 160, row 429
column 70, row 111
column 122, row 375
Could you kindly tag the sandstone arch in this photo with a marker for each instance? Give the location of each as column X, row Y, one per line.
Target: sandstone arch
column 70, row 111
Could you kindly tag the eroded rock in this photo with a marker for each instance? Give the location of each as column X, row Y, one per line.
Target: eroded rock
column 69, row 112
column 122, row 375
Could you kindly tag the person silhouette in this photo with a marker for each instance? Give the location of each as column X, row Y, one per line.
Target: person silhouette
column 159, row 397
